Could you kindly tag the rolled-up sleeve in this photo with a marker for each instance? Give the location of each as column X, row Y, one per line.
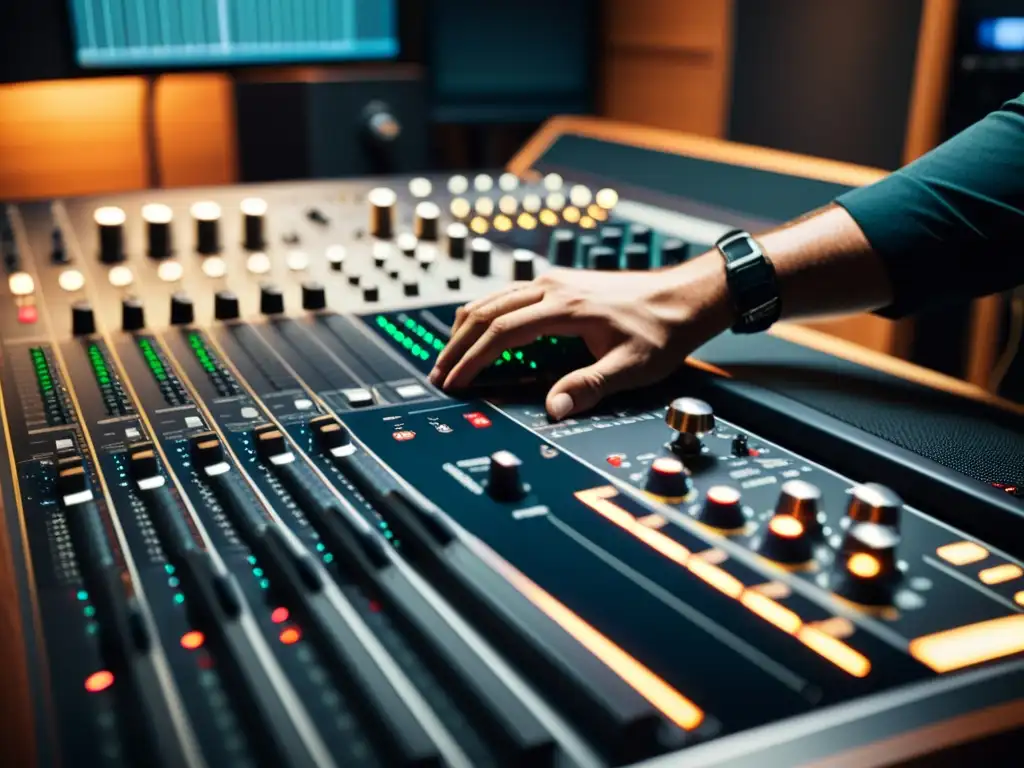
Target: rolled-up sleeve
column 951, row 224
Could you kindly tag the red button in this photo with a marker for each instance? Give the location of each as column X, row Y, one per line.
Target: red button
column 477, row 419
column 28, row 314
column 615, row 459
column 403, row 435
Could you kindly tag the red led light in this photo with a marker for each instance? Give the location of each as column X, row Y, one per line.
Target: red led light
column 290, row 636
column 28, row 314
column 279, row 615
column 99, row 681
column 403, row 435
column 477, row 419
column 615, row 459
column 374, row 606
column 192, row 640
column 753, row 452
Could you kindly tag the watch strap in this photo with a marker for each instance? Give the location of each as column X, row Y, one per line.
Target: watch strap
column 752, row 283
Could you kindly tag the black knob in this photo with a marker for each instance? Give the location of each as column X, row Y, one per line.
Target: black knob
column 411, row 287
column 83, row 319
column 740, row 446
column 269, row 441
column 133, row 316
column 427, row 217
column 182, row 310
column 865, row 568
column 604, row 258
column 314, row 296
column 801, row 500
column 407, row 244
column 583, row 245
column 874, row 503
column 207, row 217
column 110, row 222
column 331, row 435
column 158, row 219
column 785, row 540
column 503, row 481
column 371, row 293
column 457, row 234
column 638, row 256
column 225, row 305
column 207, row 449
column 335, row 255
column 522, row 264
column 722, row 508
column 454, row 283
column 612, row 237
column 673, row 251
column 668, row 479
column 640, row 233
column 354, row 278
column 271, row 300
column 58, row 251
column 382, row 212
column 480, row 264
column 254, row 210
column 562, row 248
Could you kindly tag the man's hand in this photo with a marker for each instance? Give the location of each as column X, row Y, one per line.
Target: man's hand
column 640, row 326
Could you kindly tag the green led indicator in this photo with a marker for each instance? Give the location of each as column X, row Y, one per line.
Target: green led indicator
column 506, row 355
column 429, row 338
column 173, row 582
column 416, row 349
column 382, row 321
column 320, row 546
column 251, row 559
column 82, row 595
column 90, row 611
column 179, row 598
column 328, row 558
column 169, row 568
column 533, row 364
column 519, row 355
column 257, row 572
column 264, row 583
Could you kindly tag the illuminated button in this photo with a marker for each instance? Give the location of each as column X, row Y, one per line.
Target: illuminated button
column 110, row 223
column 483, row 183
column 158, row 229
column 99, row 681
column 1000, row 574
column 606, row 198
column 503, row 480
column 170, row 271
column 532, row 203
column 548, row 218
column 297, row 261
column 801, row 500
column 580, row 196
column 458, row 185
column 182, row 310
column 668, row 479
column 457, row 234
column 407, row 243
column 596, row 212
column 555, row 201
column 120, row 276
column 865, row 568
column 722, row 508
column 214, row 267
column 962, row 553
column 254, row 210
column 28, row 314
column 428, row 216
column 335, row 255
column 190, row 641
column 502, row 223
column 479, row 225
column 972, row 644
column 526, row 221
column 1019, row 598
column 460, row 208
column 420, row 187
column 552, row 182
column 586, row 222
column 382, row 211
column 571, row 214
column 258, row 263
column 381, row 253
column 21, row 284
column 508, row 182
column 207, row 218
column 874, row 503
column 484, row 206
column 71, row 280
column 785, row 540
column 357, row 397
column 426, row 257
column 508, row 205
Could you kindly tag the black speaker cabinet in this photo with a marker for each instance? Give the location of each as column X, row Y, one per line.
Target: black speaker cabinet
column 331, row 122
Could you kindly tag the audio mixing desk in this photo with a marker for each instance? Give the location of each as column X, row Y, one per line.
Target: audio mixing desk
column 241, row 528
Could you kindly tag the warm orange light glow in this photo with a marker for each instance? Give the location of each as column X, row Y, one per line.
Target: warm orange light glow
column 290, row 635
column 479, row 225
column 771, row 611
column 836, row 651
column 971, row 644
column 526, row 221
column 786, row 526
column 660, row 694
column 863, row 565
column 502, row 223
column 597, row 213
column 587, row 223
column 653, row 521
column 571, row 214
column 962, row 553
column 837, row 626
column 1019, row 598
column 548, row 218
column 192, row 640
column 99, row 681
column 723, row 494
column 721, row 580
column 1000, row 574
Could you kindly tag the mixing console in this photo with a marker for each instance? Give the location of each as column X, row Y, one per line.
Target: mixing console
column 246, row 530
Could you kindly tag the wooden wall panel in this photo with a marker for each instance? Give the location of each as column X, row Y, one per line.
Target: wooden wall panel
column 196, row 117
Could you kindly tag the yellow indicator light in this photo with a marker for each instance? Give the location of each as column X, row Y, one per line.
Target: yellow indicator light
column 502, row 223
column 587, row 223
column 971, row 644
column 460, row 208
column 786, row 526
column 571, row 214
column 597, row 212
column 479, row 225
column 548, row 218
column 526, row 221
column 962, row 553
column 1019, row 598
column 1000, row 574
column 863, row 565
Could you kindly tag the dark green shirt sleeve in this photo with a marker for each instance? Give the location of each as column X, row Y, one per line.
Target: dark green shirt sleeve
column 950, row 225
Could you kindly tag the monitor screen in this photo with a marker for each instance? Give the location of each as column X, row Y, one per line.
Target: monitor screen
column 1002, row 34
column 139, row 34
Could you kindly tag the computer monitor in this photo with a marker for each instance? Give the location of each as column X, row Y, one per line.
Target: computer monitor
column 169, row 34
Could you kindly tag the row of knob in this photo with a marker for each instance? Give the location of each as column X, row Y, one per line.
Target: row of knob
column 608, row 250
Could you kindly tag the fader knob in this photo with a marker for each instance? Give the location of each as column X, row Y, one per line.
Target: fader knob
column 583, row 245
column 722, row 508
column 382, row 212
column 58, row 251
column 371, row 293
column 865, row 568
column 612, row 237
column 801, row 500
column 110, row 222
column 604, row 258
column 207, row 218
column 254, row 210
column 426, row 258
column 427, row 217
column 454, row 282
column 480, row 264
column 522, row 264
column 271, row 300
column 314, row 296
column 335, row 255
column 331, row 435
column 503, row 480
column 874, row 503
column 562, row 248
column 225, row 305
column 158, row 229
column 785, row 540
column 673, row 251
column 638, row 256
column 668, row 479
column 83, row 319
column 457, row 234
column 640, row 233
column 182, row 310
column 133, row 316
column 411, row 287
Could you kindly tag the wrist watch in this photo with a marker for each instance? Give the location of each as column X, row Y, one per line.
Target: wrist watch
column 750, row 276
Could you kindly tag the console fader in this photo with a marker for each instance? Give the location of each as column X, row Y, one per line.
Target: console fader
column 248, row 531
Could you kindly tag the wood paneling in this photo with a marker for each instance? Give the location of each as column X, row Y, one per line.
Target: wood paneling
column 931, row 77
column 195, row 115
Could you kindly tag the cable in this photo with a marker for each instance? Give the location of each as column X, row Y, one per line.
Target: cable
column 1013, row 341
